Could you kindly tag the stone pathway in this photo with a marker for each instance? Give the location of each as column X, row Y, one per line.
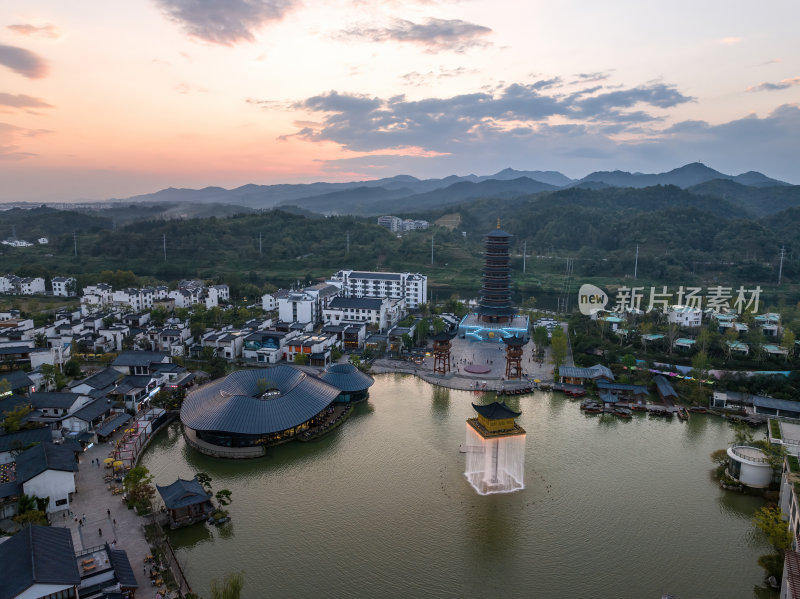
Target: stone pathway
column 95, row 501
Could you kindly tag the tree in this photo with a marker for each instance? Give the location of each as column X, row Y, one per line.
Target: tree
column 72, row 368
column 223, row 497
column 138, row 488
column 205, row 480
column 558, row 347
column 671, row 335
column 769, row 520
column 438, row 325
column 704, row 338
column 301, row 359
column 408, row 342
column 629, row 361
column 31, row 510
column 230, row 588
column 40, row 340
column 13, row 419
column 421, row 331
column 788, row 343
column 52, row 376
column 742, row 434
column 540, row 337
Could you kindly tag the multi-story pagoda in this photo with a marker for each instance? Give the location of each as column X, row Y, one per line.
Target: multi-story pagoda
column 495, row 304
column 495, row 448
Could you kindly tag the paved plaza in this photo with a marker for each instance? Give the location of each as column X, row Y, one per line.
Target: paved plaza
column 94, row 500
column 483, row 354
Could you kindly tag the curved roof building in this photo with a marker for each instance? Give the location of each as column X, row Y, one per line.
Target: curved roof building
column 255, row 407
column 353, row 383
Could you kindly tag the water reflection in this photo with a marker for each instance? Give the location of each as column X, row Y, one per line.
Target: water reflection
column 440, row 399
column 190, row 537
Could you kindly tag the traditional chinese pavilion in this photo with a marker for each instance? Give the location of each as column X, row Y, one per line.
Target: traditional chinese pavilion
column 495, row 448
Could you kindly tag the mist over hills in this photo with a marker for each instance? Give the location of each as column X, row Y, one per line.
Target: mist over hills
column 405, row 194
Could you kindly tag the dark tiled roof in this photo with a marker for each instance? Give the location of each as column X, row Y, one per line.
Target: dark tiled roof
column 11, row 402
column 234, row 405
column 664, row 387
column 776, row 404
column 122, row 568
column 16, row 379
column 388, row 276
column 9, row 490
column 92, row 410
column 53, row 399
column 45, row 456
column 139, row 358
column 109, row 426
column 23, row 438
column 182, row 493
column 38, row 555
column 102, row 379
column 498, row 233
column 368, row 303
column 496, row 411
column 347, row 377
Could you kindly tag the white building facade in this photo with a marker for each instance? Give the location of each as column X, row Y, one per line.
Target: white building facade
column 412, row 287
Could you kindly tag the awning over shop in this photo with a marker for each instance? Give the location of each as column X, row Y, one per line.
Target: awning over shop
column 110, row 426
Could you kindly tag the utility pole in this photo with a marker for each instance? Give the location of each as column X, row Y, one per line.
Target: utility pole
column 259, row 244
column 524, row 253
column 347, row 253
column 432, row 237
column 164, row 241
column 636, row 264
column 75, row 242
column 780, row 268
column 13, row 232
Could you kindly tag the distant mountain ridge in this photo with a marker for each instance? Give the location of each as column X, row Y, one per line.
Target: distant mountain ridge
column 405, row 193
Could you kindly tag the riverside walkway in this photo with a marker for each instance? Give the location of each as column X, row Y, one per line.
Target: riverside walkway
column 487, row 355
column 107, row 517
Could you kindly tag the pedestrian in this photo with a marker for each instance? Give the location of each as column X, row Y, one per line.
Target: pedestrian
column 80, row 523
column 100, row 531
column 114, row 521
column 108, row 511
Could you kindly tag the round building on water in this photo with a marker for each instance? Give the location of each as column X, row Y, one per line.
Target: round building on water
column 242, row 413
column 353, row 383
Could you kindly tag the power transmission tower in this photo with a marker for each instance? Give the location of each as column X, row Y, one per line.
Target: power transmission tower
column 563, row 299
column 75, row 242
column 636, row 264
column 164, row 241
column 524, row 253
column 259, row 244
column 347, row 253
column 780, row 267
column 432, row 238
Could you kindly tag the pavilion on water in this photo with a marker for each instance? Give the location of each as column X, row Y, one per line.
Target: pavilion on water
column 495, row 448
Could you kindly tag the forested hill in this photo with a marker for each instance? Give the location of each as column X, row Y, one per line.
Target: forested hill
column 683, row 238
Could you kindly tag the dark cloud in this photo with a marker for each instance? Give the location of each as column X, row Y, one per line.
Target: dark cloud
column 364, row 123
column 433, row 34
column 769, row 87
column 45, row 31
column 23, row 61
column 22, row 101
column 225, row 22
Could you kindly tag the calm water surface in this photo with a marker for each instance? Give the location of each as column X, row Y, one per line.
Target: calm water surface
column 380, row 508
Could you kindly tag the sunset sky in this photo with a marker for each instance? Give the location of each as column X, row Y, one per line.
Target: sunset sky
column 109, row 99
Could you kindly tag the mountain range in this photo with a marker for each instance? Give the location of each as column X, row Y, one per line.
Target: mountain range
column 404, row 194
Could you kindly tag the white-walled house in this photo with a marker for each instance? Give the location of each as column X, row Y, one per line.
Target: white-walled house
column 383, row 312
column 45, row 564
column 296, row 306
column 268, row 302
column 48, row 470
column 413, row 287
column 64, row 286
column 267, row 347
column 54, row 406
column 685, row 316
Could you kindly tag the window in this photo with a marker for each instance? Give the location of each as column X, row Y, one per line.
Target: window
column 61, row 501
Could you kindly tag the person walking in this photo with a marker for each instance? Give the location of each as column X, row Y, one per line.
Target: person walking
column 100, row 532
column 108, row 511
